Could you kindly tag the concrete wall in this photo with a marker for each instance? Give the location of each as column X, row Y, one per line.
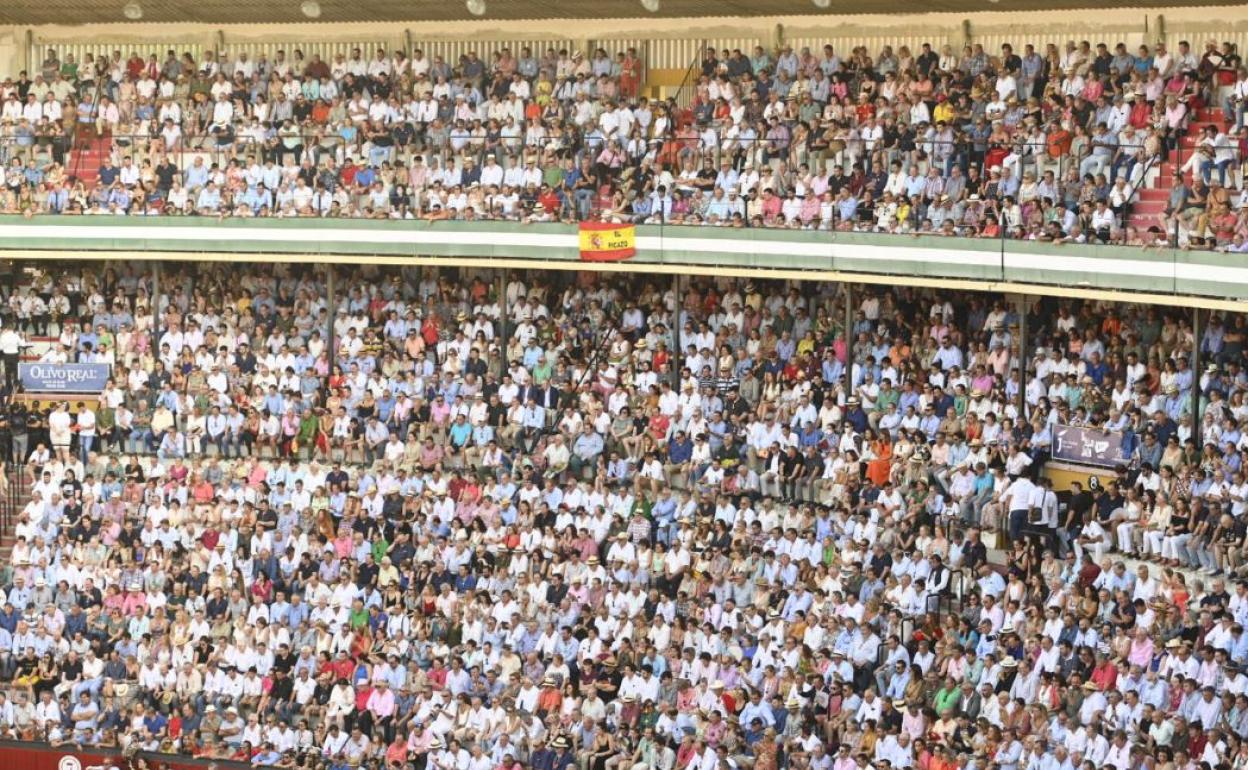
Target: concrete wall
column 1168, row 277
column 671, row 43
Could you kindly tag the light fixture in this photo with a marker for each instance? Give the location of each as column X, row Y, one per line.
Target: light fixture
column 311, row 9
column 822, row 4
column 476, row 7
column 133, row 11
column 650, row 5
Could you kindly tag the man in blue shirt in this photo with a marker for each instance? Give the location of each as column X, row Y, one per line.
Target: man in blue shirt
column 267, row 756
column 120, row 198
column 664, row 515
column 679, row 453
column 108, row 172
column 154, row 721
column 585, row 450
column 460, row 431
column 273, row 401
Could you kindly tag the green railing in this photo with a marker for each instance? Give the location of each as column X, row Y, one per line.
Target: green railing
column 1161, row 271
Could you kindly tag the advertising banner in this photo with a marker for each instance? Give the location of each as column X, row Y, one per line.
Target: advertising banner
column 40, row 377
column 1087, row 445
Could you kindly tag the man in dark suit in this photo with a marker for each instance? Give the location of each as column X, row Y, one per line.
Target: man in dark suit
column 972, row 701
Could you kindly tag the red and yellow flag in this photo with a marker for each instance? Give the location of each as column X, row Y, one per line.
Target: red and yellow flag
column 605, row 242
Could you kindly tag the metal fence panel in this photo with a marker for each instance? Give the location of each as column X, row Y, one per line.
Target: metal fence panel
column 39, row 50
column 451, row 49
column 325, row 49
column 842, row 45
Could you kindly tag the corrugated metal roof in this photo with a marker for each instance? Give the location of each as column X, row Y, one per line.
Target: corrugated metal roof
column 36, row 12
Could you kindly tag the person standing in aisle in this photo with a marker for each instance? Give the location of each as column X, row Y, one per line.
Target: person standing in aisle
column 10, row 353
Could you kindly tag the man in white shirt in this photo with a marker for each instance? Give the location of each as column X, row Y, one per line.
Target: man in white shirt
column 11, row 344
column 1043, row 515
column 1018, row 499
column 47, row 710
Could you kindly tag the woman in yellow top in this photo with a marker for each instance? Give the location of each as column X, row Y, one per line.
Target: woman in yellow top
column 903, row 210
column 806, row 345
column 543, row 89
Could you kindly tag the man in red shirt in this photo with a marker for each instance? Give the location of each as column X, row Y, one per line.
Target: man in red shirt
column 550, row 201
column 343, row 667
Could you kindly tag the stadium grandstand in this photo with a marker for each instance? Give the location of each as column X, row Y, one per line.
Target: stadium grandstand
column 759, row 387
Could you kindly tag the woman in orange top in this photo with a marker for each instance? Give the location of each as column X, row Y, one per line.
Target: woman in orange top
column 900, row 351
column 1112, row 325
column 1174, row 585
column 550, row 700
column 974, row 430
column 320, row 112
column 879, row 468
column 943, row 759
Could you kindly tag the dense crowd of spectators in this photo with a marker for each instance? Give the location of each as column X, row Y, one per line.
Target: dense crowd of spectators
column 461, row 521
column 1044, row 143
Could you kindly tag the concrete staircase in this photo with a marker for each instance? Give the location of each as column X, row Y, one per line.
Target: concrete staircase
column 1151, row 200
column 11, row 502
column 87, row 157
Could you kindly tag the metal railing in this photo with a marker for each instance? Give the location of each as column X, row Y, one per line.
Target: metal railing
column 686, row 92
column 12, row 499
column 712, row 144
column 452, row 159
column 905, row 634
column 682, row 148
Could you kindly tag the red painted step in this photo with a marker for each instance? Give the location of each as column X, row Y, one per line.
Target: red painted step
column 86, row 159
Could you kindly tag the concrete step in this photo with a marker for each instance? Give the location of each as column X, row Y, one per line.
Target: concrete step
column 1143, row 222
column 1196, row 127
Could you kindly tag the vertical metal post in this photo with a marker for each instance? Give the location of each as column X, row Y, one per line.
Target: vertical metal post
column 156, row 316
column 1178, row 173
column 502, row 321
column 333, row 312
column 678, row 326
column 849, row 332
column 1022, row 358
column 1195, row 365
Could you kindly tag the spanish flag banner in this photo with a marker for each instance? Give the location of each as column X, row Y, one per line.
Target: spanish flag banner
column 605, row 242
